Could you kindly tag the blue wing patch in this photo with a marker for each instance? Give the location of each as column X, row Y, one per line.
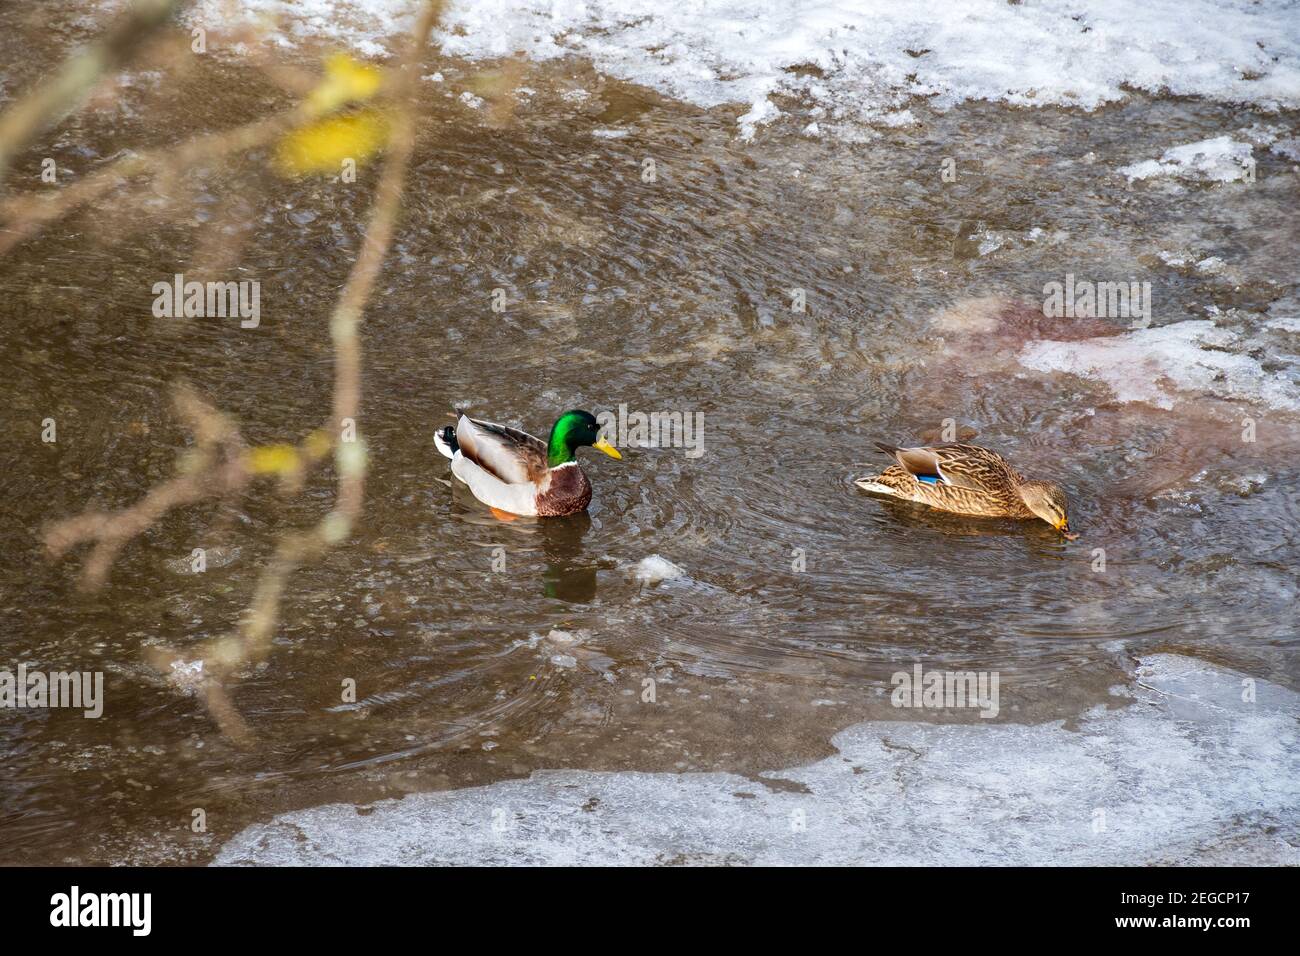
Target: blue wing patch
column 928, row 479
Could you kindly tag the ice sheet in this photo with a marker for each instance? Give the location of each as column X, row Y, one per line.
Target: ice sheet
column 1163, row 365
column 1190, row 772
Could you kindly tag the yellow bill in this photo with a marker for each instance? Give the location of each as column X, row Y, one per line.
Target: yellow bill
column 607, row 448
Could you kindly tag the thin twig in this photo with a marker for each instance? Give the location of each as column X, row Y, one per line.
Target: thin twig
column 216, row 469
column 27, row 215
column 350, row 456
column 219, row 468
column 24, row 216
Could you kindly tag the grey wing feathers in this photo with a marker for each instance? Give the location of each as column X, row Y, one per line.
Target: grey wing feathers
column 514, row 456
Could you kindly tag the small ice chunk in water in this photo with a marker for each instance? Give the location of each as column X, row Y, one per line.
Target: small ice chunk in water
column 761, row 112
column 654, row 569
column 1219, row 160
column 186, row 676
column 991, row 242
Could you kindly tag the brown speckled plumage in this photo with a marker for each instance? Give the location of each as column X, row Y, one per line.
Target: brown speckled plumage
column 968, row 480
column 995, row 502
column 980, row 482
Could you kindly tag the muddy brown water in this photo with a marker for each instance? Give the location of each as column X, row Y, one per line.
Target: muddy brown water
column 801, row 596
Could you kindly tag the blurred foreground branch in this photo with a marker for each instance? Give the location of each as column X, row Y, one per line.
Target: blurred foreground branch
column 53, row 99
column 222, row 466
column 216, row 468
column 25, row 216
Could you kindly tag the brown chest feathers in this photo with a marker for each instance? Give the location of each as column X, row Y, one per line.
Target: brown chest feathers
column 568, row 492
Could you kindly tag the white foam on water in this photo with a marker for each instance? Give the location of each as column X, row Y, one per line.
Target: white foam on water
column 870, row 55
column 1189, row 772
column 1218, row 160
column 1162, row 365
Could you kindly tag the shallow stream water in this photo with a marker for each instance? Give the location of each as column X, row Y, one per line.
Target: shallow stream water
column 483, row 649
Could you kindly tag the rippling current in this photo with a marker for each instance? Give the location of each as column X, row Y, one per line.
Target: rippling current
column 484, row 649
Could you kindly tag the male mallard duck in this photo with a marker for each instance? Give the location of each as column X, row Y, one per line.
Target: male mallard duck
column 968, row 480
column 512, row 471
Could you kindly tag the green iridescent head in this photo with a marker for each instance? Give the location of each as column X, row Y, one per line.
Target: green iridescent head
column 570, row 432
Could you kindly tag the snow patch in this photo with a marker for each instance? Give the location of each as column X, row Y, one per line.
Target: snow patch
column 1276, row 138
column 762, row 112
column 1161, row 365
column 856, row 60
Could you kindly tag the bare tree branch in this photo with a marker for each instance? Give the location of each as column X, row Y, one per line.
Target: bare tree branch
column 220, row 467
column 215, row 469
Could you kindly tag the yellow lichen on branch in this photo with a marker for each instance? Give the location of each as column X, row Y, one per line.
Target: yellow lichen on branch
column 324, row 145
column 329, row 138
column 346, row 81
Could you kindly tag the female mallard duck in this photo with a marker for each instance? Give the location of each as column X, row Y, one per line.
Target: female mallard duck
column 969, row 480
column 512, row 471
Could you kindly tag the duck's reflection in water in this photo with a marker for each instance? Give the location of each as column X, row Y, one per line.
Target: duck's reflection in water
column 568, row 575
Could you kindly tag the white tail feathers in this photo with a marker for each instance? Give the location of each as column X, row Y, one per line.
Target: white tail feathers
column 870, row 484
column 442, row 445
